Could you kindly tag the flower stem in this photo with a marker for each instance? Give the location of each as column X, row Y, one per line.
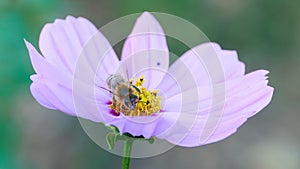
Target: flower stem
column 127, row 152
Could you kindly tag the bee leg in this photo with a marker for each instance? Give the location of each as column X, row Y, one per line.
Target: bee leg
column 134, row 99
column 114, row 101
column 124, row 108
column 129, row 104
column 136, row 88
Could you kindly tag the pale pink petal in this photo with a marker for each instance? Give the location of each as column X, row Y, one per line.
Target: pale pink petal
column 210, row 64
column 244, row 97
column 96, row 63
column 179, row 78
column 40, row 95
column 48, row 93
column 47, row 70
column 62, row 42
column 146, row 126
column 146, row 47
column 194, row 61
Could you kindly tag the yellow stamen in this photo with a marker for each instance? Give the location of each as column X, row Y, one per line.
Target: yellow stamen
column 148, row 104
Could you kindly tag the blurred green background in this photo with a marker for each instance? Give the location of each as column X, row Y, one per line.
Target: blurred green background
column 266, row 33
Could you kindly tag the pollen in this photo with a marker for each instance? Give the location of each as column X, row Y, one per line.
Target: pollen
column 148, row 101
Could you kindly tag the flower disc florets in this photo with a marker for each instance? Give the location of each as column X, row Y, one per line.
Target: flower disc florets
column 148, row 100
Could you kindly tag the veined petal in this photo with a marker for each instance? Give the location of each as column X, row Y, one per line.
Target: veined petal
column 179, row 78
column 210, row 64
column 146, row 47
column 52, row 95
column 98, row 60
column 40, row 95
column 146, row 126
column 46, row 69
column 61, row 43
column 243, row 98
column 91, row 102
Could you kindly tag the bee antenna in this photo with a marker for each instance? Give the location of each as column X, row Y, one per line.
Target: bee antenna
column 109, row 91
column 106, row 89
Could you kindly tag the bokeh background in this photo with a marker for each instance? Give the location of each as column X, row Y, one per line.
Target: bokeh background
column 266, row 34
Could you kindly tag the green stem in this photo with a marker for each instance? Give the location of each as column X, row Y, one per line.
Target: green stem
column 127, row 151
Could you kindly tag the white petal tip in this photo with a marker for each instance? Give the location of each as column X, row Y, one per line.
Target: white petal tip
column 147, row 17
column 146, row 14
column 26, row 42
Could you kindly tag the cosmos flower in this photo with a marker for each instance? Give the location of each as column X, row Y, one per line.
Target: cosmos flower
column 179, row 103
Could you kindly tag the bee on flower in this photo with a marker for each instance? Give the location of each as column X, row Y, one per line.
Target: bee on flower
column 147, row 92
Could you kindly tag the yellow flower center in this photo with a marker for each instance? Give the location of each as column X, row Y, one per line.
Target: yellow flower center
column 148, row 101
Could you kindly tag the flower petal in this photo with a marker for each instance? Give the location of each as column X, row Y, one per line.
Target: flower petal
column 146, row 47
column 40, row 95
column 178, row 79
column 47, row 70
column 210, row 64
column 62, row 41
column 87, row 105
column 52, row 95
column 146, row 126
column 98, row 60
column 244, row 97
